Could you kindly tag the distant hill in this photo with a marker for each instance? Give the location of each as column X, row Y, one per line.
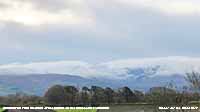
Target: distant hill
column 142, row 74
column 37, row 84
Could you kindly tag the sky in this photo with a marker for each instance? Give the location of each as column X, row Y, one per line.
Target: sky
column 96, row 31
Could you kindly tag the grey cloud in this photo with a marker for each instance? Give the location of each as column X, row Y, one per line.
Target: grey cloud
column 51, row 5
column 120, row 32
column 54, row 6
column 2, row 6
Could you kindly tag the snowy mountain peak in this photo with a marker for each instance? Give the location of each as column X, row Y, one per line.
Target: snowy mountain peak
column 149, row 67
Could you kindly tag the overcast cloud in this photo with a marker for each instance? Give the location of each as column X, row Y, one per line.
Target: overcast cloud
column 97, row 30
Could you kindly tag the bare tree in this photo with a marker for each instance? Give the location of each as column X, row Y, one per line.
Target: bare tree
column 193, row 79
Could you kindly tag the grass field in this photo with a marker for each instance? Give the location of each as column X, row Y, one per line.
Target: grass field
column 76, row 111
column 1, row 110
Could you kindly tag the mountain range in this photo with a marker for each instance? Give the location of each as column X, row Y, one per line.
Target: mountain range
column 141, row 74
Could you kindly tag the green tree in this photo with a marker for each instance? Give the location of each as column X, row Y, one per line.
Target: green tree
column 161, row 95
column 127, row 95
column 71, row 95
column 97, row 95
column 109, row 94
column 139, row 96
column 55, row 95
column 85, row 96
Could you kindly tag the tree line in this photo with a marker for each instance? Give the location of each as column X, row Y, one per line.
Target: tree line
column 59, row 95
column 70, row 95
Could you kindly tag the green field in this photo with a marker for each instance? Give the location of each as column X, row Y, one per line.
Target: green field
column 75, row 110
column 1, row 110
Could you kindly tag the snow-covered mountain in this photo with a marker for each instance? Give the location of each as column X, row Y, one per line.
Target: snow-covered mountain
column 139, row 74
column 114, row 69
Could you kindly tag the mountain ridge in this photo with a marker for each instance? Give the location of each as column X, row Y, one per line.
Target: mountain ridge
column 112, row 69
column 141, row 74
column 37, row 84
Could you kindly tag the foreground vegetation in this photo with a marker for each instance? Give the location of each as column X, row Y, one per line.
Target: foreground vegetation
column 1, row 110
